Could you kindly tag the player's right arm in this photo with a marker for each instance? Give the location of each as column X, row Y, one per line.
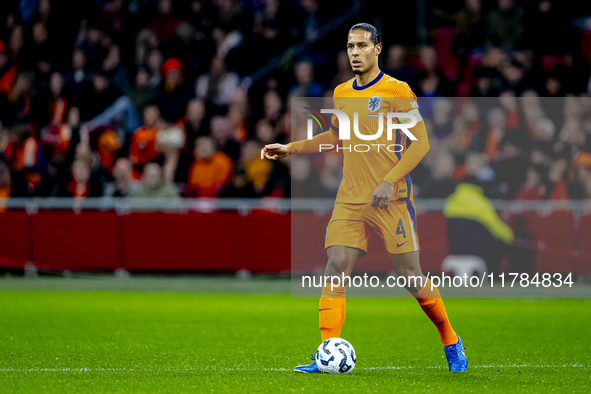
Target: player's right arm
column 278, row 151
column 328, row 141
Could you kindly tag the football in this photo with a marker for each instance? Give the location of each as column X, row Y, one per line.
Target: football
column 336, row 355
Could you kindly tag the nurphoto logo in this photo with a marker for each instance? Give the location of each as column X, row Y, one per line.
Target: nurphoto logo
column 404, row 122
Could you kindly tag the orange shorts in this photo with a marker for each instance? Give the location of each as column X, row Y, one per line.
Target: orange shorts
column 351, row 225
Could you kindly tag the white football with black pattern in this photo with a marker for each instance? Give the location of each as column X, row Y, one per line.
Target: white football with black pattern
column 336, row 356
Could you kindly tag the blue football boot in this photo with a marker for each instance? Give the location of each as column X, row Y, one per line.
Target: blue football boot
column 312, row 368
column 456, row 358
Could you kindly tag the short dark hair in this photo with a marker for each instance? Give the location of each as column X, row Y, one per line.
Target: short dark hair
column 375, row 34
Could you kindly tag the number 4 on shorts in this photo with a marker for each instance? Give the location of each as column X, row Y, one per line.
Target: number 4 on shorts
column 400, row 229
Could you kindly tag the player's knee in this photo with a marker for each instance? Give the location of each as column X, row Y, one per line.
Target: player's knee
column 336, row 265
column 411, row 275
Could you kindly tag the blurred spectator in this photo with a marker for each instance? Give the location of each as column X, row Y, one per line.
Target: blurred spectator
column 508, row 102
column 65, row 95
column 270, row 25
column 120, row 114
column 344, row 72
column 442, row 119
column 154, row 66
column 537, row 34
column 90, row 41
column 441, row 183
column 56, row 176
column 543, row 130
column 331, row 175
column 82, row 184
column 533, row 188
column 232, row 13
column 227, row 43
column 143, row 141
column 264, row 132
column 67, row 130
column 474, row 227
column 497, row 122
column 35, row 50
column 510, row 169
column 305, row 183
column 312, row 18
column 219, row 86
column 115, row 70
column 5, row 185
column 195, row 120
column 505, row 25
column 21, row 153
column 77, row 81
column 143, row 93
column 175, row 93
column 108, row 144
column 221, row 134
column 395, row 64
column 432, row 81
column 470, row 28
column 100, row 96
column 238, row 113
column 122, row 185
column 165, row 24
column 305, row 85
column 561, row 188
column 211, row 170
column 154, row 185
column 257, row 171
column 272, row 106
column 487, row 83
column 251, row 174
column 200, row 16
column 169, row 143
column 21, row 99
column 582, row 177
column 514, row 76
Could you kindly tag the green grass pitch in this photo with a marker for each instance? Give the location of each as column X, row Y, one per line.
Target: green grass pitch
column 127, row 342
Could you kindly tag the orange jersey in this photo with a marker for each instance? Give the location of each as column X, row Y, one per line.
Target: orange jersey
column 142, row 148
column 384, row 160
column 208, row 177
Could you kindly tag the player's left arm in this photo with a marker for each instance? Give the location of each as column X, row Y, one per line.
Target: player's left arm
column 413, row 155
column 411, row 158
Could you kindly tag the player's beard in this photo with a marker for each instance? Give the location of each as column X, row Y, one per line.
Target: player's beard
column 357, row 72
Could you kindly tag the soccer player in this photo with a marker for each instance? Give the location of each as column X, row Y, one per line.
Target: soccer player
column 376, row 191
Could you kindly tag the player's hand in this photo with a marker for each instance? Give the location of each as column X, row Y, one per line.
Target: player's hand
column 382, row 194
column 275, row 151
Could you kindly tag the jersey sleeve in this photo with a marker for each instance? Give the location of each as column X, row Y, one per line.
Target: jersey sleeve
column 334, row 120
column 330, row 137
column 406, row 101
column 412, row 156
column 403, row 98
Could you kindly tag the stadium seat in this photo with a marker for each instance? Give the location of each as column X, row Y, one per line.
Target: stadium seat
column 585, row 45
column 550, row 62
column 584, row 267
column 432, row 229
column 556, row 243
column 522, row 253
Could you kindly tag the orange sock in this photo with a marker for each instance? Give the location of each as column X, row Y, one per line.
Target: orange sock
column 333, row 307
column 432, row 304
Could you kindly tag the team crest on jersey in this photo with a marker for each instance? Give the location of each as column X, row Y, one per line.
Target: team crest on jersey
column 374, row 103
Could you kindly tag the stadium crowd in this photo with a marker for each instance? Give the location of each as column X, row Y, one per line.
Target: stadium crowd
column 144, row 97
